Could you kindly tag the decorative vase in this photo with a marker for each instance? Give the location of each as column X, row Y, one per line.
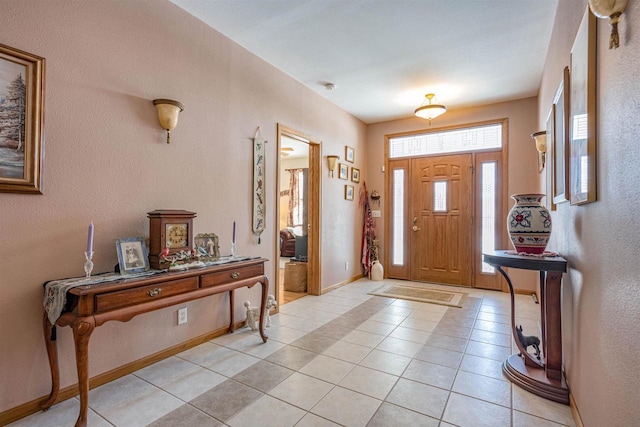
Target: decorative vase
column 529, row 224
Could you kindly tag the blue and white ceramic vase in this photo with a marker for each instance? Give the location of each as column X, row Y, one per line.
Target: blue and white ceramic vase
column 529, row 224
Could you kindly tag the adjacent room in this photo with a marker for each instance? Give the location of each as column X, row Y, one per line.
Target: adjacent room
column 319, row 213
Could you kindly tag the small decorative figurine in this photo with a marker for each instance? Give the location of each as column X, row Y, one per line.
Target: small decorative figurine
column 529, row 340
column 271, row 303
column 253, row 314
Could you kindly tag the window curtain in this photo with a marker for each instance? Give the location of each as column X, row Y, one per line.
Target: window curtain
column 294, row 199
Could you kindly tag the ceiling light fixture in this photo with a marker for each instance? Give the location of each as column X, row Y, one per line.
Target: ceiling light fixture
column 329, row 86
column 428, row 110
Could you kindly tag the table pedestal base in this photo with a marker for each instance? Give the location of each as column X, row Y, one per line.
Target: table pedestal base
column 535, row 380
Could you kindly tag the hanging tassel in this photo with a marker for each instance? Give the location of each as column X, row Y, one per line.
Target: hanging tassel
column 614, row 41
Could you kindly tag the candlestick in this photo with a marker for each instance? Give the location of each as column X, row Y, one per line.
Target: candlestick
column 233, row 238
column 88, row 265
column 90, row 239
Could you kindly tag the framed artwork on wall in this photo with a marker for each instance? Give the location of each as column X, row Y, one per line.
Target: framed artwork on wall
column 349, row 154
column 582, row 124
column 343, row 172
column 21, row 115
column 348, row 192
column 132, row 255
column 559, row 166
column 355, row 175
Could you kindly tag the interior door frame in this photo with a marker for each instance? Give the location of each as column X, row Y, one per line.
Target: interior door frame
column 502, row 194
column 314, row 182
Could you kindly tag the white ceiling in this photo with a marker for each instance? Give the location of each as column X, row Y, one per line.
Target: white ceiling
column 385, row 55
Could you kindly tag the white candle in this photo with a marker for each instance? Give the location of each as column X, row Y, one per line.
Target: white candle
column 90, row 239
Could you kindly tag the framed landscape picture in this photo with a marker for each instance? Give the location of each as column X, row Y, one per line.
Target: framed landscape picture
column 559, row 150
column 343, row 172
column 355, row 174
column 348, row 192
column 349, row 154
column 21, row 120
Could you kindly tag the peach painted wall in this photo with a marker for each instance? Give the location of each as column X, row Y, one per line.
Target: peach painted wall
column 107, row 161
column 601, row 299
column 523, row 176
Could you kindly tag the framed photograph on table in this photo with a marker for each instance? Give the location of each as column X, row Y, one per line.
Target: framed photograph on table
column 132, row 255
column 22, row 111
column 355, row 175
column 343, row 172
column 348, row 192
column 349, row 154
column 559, row 166
column 582, row 126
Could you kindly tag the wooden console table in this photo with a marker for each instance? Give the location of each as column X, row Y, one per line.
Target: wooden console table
column 90, row 306
column 542, row 377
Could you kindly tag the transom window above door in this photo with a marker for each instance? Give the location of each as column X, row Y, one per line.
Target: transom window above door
column 447, row 141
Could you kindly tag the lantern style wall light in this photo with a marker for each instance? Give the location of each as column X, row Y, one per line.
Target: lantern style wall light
column 428, row 110
column 168, row 111
column 541, row 145
column 332, row 162
column 611, row 9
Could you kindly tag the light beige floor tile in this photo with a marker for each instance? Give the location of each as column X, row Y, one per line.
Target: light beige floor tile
column 532, row 404
column 413, row 335
column 420, row 324
column 347, row 407
column 493, row 317
column 205, row 353
column 489, row 351
column 397, row 310
column 296, row 322
column 232, row 363
column 520, row 419
column 419, row 397
column 392, row 319
column 393, row 415
column 130, row 401
column 369, row 381
column 430, row 373
column 267, row 412
column 301, row 390
column 390, row 363
column 64, row 413
column 485, row 325
column 192, row 384
column 440, row 356
column 484, row 388
column 504, row 308
column 466, row 411
column 284, row 334
column 401, row 347
column 347, row 351
column 363, row 338
column 426, row 315
column 483, row 366
column 165, row 370
column 257, row 348
column 327, row 369
column 491, row 338
column 376, row 327
column 312, row 420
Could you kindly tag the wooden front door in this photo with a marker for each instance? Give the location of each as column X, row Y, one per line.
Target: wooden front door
column 441, row 219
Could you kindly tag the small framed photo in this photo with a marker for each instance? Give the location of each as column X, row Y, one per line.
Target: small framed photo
column 132, row 255
column 349, row 154
column 343, row 173
column 355, row 175
column 207, row 246
column 348, row 192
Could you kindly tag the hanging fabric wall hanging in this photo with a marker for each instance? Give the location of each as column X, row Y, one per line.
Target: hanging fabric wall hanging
column 368, row 248
column 258, row 184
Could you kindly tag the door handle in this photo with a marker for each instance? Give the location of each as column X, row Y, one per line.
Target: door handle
column 416, row 228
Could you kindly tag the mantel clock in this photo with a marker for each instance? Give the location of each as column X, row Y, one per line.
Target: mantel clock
column 169, row 229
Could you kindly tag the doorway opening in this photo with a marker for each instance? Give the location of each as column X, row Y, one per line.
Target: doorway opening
column 446, row 204
column 298, row 215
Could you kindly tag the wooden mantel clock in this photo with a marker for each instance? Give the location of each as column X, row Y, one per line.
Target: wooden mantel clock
column 169, row 229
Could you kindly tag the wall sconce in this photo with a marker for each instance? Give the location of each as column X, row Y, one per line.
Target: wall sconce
column 541, row 145
column 332, row 162
column 611, row 9
column 168, row 111
column 375, row 196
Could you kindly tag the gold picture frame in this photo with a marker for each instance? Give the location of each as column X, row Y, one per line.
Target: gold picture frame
column 343, row 171
column 582, row 127
column 559, row 149
column 348, row 192
column 550, row 128
column 349, row 154
column 355, row 175
column 22, row 86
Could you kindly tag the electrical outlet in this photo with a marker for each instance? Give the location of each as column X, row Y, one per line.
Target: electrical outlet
column 182, row 316
column 346, row 265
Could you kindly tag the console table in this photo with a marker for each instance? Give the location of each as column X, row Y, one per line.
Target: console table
column 542, row 377
column 89, row 306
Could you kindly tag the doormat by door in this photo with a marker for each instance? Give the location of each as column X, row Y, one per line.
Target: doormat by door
column 451, row 299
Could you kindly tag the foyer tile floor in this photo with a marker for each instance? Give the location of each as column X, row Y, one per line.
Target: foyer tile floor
column 341, row 359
